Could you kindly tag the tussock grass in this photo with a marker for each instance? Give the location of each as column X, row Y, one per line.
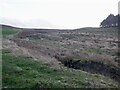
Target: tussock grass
column 19, row 72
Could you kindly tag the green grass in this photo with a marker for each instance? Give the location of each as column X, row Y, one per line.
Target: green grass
column 19, row 72
column 8, row 31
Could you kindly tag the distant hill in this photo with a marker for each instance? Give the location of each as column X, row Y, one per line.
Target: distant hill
column 110, row 21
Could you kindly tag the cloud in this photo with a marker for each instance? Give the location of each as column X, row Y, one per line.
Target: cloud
column 62, row 13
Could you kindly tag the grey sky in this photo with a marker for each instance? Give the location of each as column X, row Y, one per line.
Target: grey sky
column 58, row 13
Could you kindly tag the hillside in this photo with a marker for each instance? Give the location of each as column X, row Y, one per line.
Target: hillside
column 110, row 21
column 52, row 58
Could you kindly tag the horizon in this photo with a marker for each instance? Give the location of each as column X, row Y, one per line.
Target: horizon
column 69, row 14
column 19, row 27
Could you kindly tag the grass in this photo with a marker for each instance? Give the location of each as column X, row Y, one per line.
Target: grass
column 98, row 51
column 9, row 31
column 19, row 72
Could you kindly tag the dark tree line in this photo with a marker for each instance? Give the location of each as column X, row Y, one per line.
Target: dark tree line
column 110, row 21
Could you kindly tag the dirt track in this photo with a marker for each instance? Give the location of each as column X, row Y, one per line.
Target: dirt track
column 29, row 53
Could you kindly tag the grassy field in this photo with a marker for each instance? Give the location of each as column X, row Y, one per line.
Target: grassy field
column 19, row 72
column 9, row 31
column 25, row 53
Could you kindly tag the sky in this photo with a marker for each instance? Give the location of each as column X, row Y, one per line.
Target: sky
column 68, row 14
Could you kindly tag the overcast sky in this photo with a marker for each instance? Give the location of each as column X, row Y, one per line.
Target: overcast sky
column 58, row 13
